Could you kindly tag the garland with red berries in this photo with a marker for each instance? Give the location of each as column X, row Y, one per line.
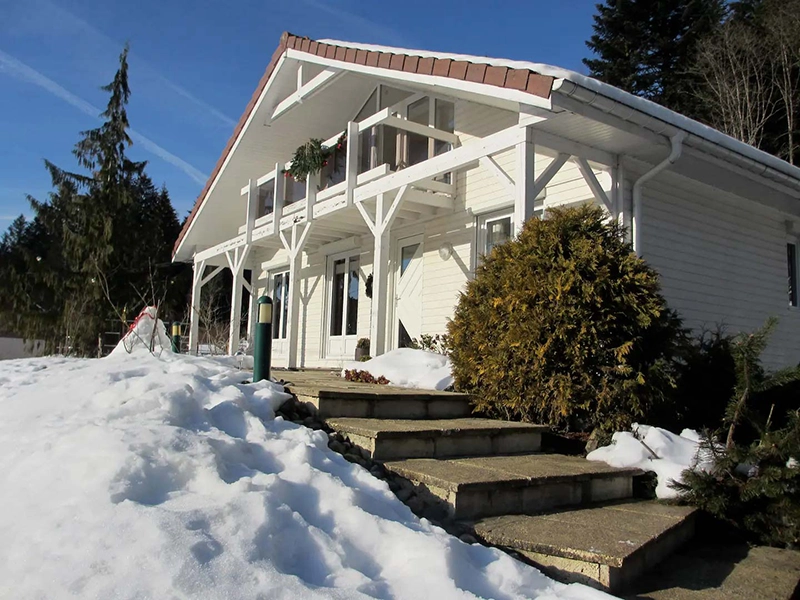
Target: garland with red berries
column 312, row 156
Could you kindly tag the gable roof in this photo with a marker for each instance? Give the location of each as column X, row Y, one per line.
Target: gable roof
column 521, row 79
column 540, row 81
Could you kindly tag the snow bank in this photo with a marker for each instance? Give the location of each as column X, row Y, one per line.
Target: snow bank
column 410, row 368
column 143, row 477
column 676, row 453
column 147, row 333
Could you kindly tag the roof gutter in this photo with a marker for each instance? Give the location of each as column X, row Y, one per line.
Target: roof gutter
column 632, row 109
column 676, row 149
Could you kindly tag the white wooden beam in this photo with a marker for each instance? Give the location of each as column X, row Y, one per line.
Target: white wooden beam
column 220, row 248
column 211, row 275
column 392, row 212
column 418, row 128
column 429, row 198
column 380, row 268
column 314, row 86
column 547, row 143
column 194, row 309
column 548, row 174
column 525, row 196
column 351, row 161
column 597, row 190
column 237, row 262
column 490, row 164
column 444, row 163
column 366, row 216
column 252, row 210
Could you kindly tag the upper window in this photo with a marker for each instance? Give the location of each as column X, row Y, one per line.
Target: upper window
column 280, row 304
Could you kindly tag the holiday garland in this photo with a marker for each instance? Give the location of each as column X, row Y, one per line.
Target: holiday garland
column 312, row 156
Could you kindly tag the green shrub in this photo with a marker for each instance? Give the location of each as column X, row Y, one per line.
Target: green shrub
column 705, row 380
column 754, row 480
column 565, row 326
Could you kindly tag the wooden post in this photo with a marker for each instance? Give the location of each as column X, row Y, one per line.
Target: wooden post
column 194, row 310
column 236, row 259
column 380, row 268
column 294, row 247
column 351, row 161
column 525, row 181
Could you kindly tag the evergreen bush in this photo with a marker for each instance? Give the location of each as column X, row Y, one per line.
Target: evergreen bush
column 566, row 326
column 754, row 480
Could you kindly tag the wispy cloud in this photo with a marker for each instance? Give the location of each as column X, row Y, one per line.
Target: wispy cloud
column 51, row 15
column 358, row 23
column 7, row 218
column 19, row 70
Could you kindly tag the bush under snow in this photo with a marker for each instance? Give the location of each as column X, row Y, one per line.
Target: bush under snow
column 409, row 368
column 674, row 454
column 140, row 477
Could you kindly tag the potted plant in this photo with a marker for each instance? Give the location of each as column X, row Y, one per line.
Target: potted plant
column 362, row 348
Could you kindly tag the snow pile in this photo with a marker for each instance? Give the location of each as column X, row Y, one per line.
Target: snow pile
column 675, row 454
column 147, row 332
column 143, row 477
column 409, row 368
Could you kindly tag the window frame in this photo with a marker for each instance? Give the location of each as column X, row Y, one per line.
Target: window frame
column 792, row 273
column 282, row 271
column 484, row 220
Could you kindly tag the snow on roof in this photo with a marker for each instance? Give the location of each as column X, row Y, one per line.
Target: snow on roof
column 611, row 92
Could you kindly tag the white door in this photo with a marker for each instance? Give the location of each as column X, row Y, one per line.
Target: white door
column 279, row 291
column 342, row 325
column 408, row 291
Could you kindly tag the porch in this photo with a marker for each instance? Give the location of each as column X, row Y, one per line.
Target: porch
column 396, row 167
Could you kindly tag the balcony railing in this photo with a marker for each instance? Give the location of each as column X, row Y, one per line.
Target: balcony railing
column 391, row 142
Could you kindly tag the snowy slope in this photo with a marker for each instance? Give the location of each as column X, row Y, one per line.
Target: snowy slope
column 142, row 477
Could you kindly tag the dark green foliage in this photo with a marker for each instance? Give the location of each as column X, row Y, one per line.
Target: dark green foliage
column 706, row 377
column 754, row 482
column 647, row 46
column 98, row 249
column 565, row 326
column 312, row 156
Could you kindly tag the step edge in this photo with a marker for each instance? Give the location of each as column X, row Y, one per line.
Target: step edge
column 586, row 555
column 433, row 433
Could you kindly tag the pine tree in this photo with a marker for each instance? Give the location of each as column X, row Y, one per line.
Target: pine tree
column 99, row 247
column 646, row 47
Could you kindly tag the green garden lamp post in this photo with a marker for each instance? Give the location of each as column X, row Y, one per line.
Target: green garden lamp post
column 176, row 337
column 262, row 353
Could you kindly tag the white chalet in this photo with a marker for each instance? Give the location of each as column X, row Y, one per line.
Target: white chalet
column 446, row 156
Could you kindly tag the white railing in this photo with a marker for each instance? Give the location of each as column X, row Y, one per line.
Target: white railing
column 341, row 193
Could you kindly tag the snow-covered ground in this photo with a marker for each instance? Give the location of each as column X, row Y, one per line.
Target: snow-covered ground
column 410, row 368
column 138, row 476
column 673, row 454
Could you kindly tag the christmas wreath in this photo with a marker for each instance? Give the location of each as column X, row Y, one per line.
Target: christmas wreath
column 312, row 156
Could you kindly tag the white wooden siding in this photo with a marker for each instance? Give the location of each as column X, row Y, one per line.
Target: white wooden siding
column 722, row 260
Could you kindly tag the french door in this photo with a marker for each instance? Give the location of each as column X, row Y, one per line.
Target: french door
column 342, row 325
column 408, row 291
column 279, row 291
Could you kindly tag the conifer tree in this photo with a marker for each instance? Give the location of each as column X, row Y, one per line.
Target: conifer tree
column 99, row 247
column 646, row 47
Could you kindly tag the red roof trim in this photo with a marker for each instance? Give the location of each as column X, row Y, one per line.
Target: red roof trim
column 516, row 79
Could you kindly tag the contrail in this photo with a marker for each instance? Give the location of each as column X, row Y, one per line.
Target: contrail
column 63, row 15
column 19, row 70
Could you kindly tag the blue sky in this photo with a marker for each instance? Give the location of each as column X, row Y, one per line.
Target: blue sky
column 194, row 65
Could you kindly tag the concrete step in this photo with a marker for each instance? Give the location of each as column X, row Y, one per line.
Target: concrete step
column 476, row 487
column 606, row 547
column 372, row 401
column 392, row 439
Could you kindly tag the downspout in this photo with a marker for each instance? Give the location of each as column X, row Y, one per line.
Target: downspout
column 676, row 143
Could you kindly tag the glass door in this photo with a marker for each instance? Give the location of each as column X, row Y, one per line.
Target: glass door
column 343, row 284
column 279, row 290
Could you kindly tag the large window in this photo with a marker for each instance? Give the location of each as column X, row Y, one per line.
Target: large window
column 266, row 198
column 344, row 296
column 280, row 304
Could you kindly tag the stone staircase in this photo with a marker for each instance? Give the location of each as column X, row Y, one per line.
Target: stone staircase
column 577, row 520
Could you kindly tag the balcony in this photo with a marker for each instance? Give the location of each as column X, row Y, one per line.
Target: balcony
column 376, row 148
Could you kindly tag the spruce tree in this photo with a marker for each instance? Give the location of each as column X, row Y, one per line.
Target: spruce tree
column 99, row 248
column 647, row 47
